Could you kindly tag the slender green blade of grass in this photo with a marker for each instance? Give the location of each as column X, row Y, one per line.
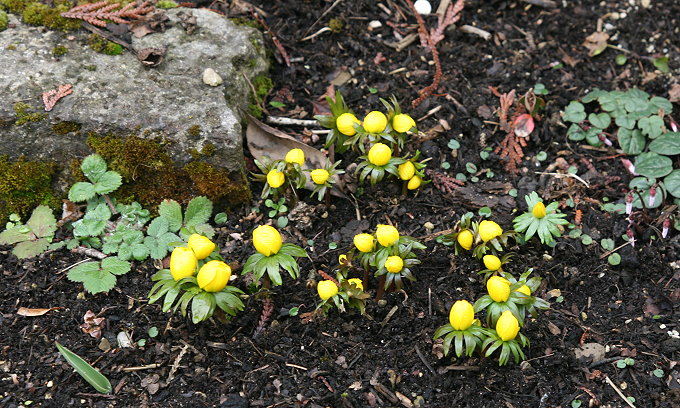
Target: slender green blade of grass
column 89, row 373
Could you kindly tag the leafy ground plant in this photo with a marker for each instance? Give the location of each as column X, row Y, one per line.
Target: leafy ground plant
column 541, row 220
column 32, row 238
column 99, row 277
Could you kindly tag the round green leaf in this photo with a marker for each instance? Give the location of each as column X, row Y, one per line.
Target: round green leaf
column 651, row 164
column 643, row 185
column 625, row 121
column 662, row 103
column 593, row 137
column 614, row 259
column 600, row 120
column 575, row 133
column 651, row 126
column 574, row 112
column 631, row 141
column 672, row 182
column 668, row 144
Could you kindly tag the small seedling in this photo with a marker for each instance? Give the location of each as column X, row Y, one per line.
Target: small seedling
column 625, row 362
column 541, row 220
column 278, row 207
column 99, row 277
column 34, row 237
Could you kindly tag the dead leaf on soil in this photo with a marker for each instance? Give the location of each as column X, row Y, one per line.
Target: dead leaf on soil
column 151, row 57
column 554, row 329
column 93, row 325
column 590, row 352
column 650, row 308
column 25, row 311
column 674, row 93
column 596, row 43
column 523, row 125
column 264, row 140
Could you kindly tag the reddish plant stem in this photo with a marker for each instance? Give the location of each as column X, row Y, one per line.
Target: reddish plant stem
column 381, row 288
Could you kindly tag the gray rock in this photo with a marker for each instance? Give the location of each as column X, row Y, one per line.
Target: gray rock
column 117, row 94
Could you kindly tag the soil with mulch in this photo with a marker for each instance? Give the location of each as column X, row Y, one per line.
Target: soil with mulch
column 388, row 358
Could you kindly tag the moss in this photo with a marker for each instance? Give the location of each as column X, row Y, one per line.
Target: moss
column 336, row 25
column 90, row 67
column 240, row 21
column 4, row 20
column 194, row 131
column 208, row 149
column 24, row 185
column 167, row 4
column 11, row 47
column 14, row 6
column 262, row 84
column 216, row 184
column 195, row 154
column 41, row 14
column 63, row 128
column 59, row 50
column 24, row 114
column 104, row 46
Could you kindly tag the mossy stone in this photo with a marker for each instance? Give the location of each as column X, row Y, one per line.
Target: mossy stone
column 24, row 185
column 25, row 113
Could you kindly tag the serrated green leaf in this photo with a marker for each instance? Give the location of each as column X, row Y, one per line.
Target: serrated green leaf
column 172, row 212
column 94, row 279
column 653, row 165
column 42, row 222
column 198, row 211
column 140, row 252
column 93, row 167
column 29, row 249
column 125, row 252
column 672, row 182
column 116, row 266
column 600, row 120
column 158, row 226
column 85, row 370
column 632, row 142
column 14, row 235
column 667, row 144
column 108, row 182
column 81, row 191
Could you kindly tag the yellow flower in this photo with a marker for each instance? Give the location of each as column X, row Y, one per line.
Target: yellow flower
column 465, row 239
column 327, row 289
column 539, row 210
column 275, row 178
column 295, row 156
column 492, row 262
column 507, row 326
column 402, row 123
column 379, row 154
column 342, row 259
column 266, row 240
column 462, row 315
column 375, row 122
column 394, row 264
column 320, row 176
column 345, row 124
column 213, row 276
column 406, row 170
column 414, row 183
column 524, row 289
column 489, row 230
column 386, row 234
column 182, row 263
column 357, row 282
column 364, row 242
column 498, row 288
column 202, row 246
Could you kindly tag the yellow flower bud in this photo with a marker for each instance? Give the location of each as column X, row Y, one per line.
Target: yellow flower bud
column 465, row 239
column 406, row 170
column 357, row 282
column 489, row 230
column 213, row 276
column 379, row 154
column 414, row 183
column 492, row 262
column 295, row 156
column 182, row 263
column 525, row 290
column 375, row 122
column 507, row 326
column 320, row 176
column 394, row 264
column 462, row 315
column 345, row 124
column 202, row 246
column 498, row 288
column 364, row 242
column 342, row 259
column 267, row 240
column 402, row 123
column 327, row 289
column 275, row 178
column 387, row 235
column 539, row 210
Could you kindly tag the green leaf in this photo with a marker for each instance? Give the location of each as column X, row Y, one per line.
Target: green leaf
column 662, row 103
column 575, row 133
column 29, row 249
column 600, row 120
column 625, row 121
column 14, row 235
column 89, row 373
column 574, row 112
column 293, row 250
column 614, row 259
column 42, row 222
column 94, row 279
column 661, row 64
column 202, row 307
column 172, row 212
column 631, row 141
column 607, row 244
column 651, row 126
column 667, row 144
column 108, row 182
column 635, row 104
column 593, row 95
column 93, row 167
column 158, row 226
column 653, row 165
column 220, row 218
column 672, row 182
column 81, row 191
column 198, row 211
column 116, row 266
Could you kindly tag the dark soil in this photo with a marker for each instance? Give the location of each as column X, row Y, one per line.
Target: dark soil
column 348, row 360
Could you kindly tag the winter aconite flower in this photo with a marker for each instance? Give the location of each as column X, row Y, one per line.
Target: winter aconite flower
column 364, row 242
column 402, row 123
column 492, row 262
column 394, row 264
column 524, row 289
column 202, row 246
column 375, row 122
column 465, row 239
column 267, row 240
column 406, row 170
column 320, row 176
column 387, row 235
column 213, row 276
column 462, row 315
column 357, row 282
column 295, row 156
column 539, row 210
column 507, row 326
column 345, row 124
column 182, row 263
column 379, row 154
column 414, row 183
column 327, row 289
column 489, row 230
column 498, row 288
column 275, row 178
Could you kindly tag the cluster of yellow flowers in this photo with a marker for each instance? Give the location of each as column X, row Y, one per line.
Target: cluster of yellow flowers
column 212, row 276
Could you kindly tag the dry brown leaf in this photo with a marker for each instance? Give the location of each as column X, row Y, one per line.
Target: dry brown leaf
column 674, row 93
column 25, row 311
column 554, row 329
column 93, row 325
column 596, row 43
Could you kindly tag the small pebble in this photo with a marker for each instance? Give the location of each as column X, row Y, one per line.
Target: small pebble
column 212, row 78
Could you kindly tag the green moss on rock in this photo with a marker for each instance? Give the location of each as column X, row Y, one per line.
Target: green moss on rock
column 4, row 20
column 104, row 46
column 216, row 184
column 59, row 50
column 65, row 127
column 24, row 185
column 40, row 14
column 25, row 113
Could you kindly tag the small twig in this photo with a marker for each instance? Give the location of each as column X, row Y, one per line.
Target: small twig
column 563, row 175
column 422, row 358
column 275, row 39
column 267, row 310
column 328, row 10
column 468, row 29
column 389, row 315
column 618, row 391
column 328, row 277
column 140, row 368
column 316, row 34
column 606, row 254
column 279, row 120
column 542, row 3
column 91, row 252
column 175, row 364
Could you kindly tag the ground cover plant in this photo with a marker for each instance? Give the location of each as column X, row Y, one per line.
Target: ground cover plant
column 582, row 312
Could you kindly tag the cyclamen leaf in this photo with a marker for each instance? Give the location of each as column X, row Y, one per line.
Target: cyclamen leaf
column 668, row 144
column 172, row 212
column 81, row 191
column 653, row 165
column 108, row 182
column 662, row 103
column 631, row 141
column 672, row 182
column 601, row 120
column 42, row 222
column 198, row 211
column 116, row 266
column 651, row 126
column 93, row 167
column 574, row 112
column 89, row 373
